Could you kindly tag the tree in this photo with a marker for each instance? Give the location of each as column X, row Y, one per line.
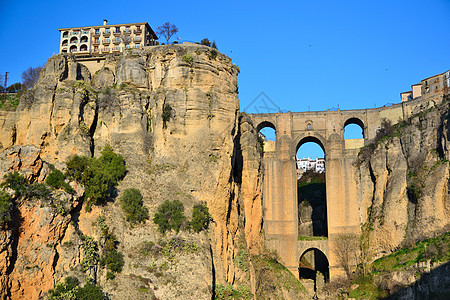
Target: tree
column 14, row 88
column 206, row 42
column 347, row 252
column 167, row 30
column 30, row 76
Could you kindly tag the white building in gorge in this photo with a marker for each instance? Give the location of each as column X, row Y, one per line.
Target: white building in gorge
column 316, row 165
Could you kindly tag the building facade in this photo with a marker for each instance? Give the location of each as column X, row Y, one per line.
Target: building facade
column 106, row 38
column 431, row 88
column 306, row 164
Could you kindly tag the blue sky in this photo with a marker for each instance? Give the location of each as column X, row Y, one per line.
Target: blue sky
column 304, row 55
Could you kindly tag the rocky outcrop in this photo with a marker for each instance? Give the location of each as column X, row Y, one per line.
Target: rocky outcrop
column 173, row 113
column 403, row 184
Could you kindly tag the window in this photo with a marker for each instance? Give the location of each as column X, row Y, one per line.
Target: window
column 117, row 39
column 107, row 30
column 138, row 38
column 138, row 46
column 97, row 31
column 65, row 34
column 127, row 46
column 76, row 32
column 127, row 29
column 85, row 31
column 96, row 40
column 106, row 48
column 117, row 30
column 64, row 43
column 117, row 48
column 96, row 48
column 106, row 41
column 308, row 126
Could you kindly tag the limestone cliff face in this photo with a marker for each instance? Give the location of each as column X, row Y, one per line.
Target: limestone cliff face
column 403, row 184
column 173, row 113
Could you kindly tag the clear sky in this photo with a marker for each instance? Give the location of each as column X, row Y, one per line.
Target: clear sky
column 304, row 55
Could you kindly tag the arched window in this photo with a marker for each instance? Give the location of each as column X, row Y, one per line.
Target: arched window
column 65, row 42
column 73, row 48
column 74, row 40
column 83, row 48
column 65, row 34
column 84, row 39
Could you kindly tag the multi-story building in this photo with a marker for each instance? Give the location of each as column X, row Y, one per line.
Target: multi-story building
column 106, row 38
column 431, row 88
column 316, row 165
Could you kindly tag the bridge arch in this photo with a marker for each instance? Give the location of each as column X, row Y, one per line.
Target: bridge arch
column 316, row 138
column 355, row 121
column 311, row 261
column 265, row 124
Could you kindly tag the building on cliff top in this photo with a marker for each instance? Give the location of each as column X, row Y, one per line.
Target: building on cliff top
column 106, row 38
column 431, row 88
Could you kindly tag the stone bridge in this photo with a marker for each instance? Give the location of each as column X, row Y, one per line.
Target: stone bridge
column 280, row 199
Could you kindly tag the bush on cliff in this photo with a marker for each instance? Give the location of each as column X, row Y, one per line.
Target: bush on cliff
column 5, row 208
column 170, row 215
column 56, row 180
column 98, row 175
column 23, row 188
column 132, row 205
column 70, row 289
column 200, row 217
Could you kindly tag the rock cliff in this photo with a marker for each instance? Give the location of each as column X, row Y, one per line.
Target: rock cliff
column 172, row 112
column 403, row 183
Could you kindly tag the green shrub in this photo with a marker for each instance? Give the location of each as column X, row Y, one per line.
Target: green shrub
column 200, row 217
column 56, row 179
column 166, row 114
column 213, row 54
column 205, row 42
column 170, row 215
column 98, row 175
column 90, row 253
column 70, row 290
column 5, row 208
column 16, row 182
column 23, row 188
column 189, row 59
column 113, row 260
column 133, row 206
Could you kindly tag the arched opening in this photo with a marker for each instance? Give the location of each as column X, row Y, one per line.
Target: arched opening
column 74, row 40
column 313, row 264
column 73, row 48
column 65, row 42
column 353, row 129
column 83, row 48
column 84, row 39
column 311, row 189
column 65, row 34
column 266, row 136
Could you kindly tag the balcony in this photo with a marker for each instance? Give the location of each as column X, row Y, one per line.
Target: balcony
column 96, row 34
column 127, row 32
column 117, row 33
column 96, row 42
column 107, row 33
column 137, row 31
column 116, row 41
